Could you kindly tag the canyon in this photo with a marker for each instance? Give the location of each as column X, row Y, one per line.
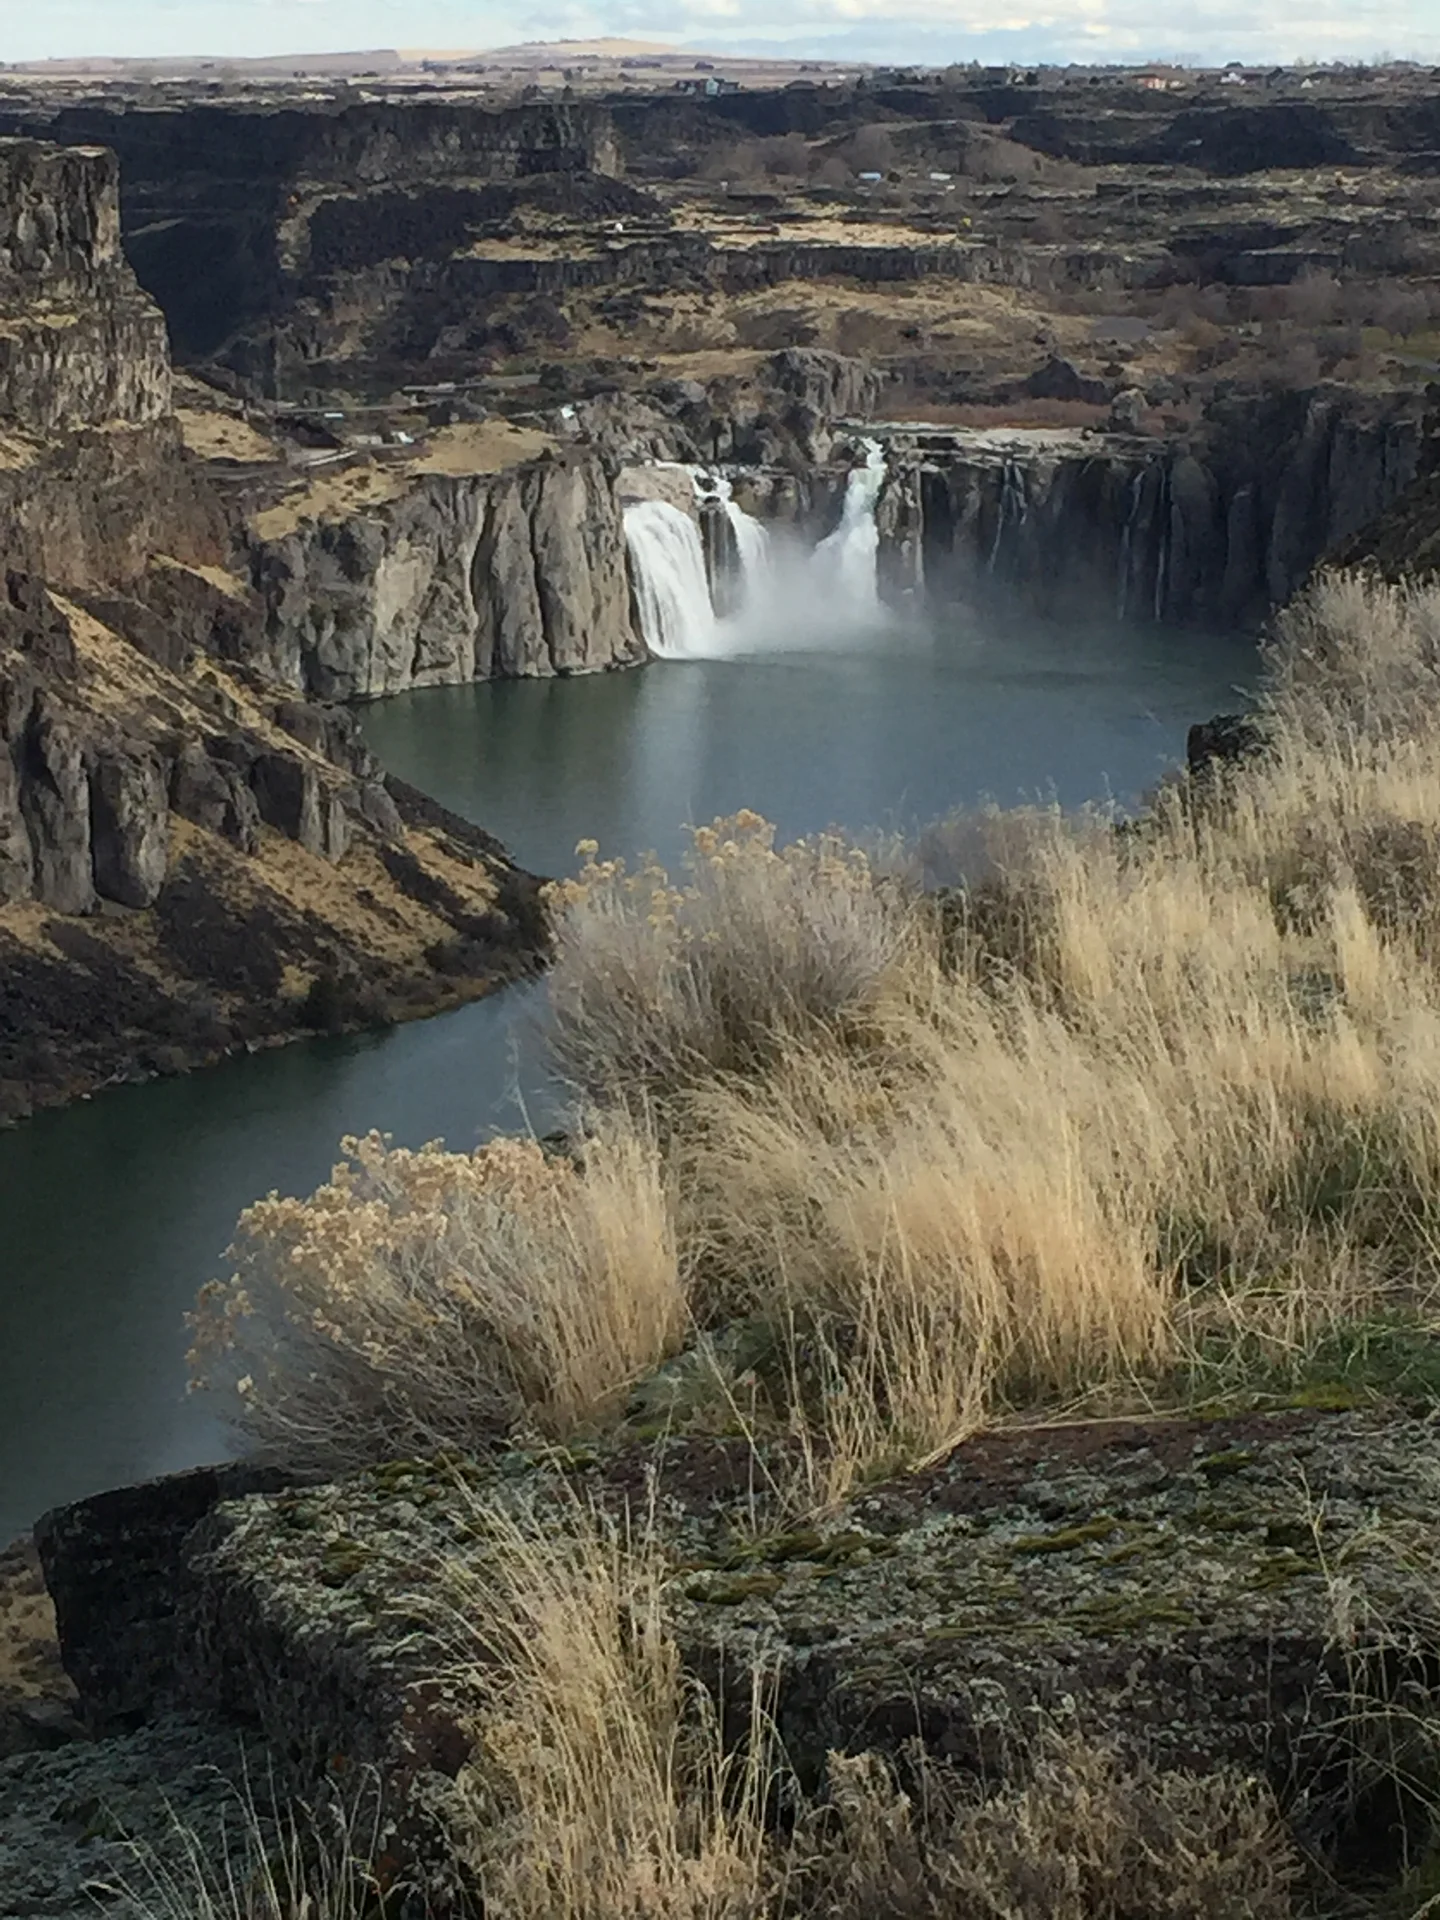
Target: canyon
column 401, row 440
column 317, row 394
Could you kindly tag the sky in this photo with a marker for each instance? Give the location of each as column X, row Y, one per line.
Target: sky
column 930, row 31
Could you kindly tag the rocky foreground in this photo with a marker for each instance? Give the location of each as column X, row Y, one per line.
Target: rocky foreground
column 1244, row 1590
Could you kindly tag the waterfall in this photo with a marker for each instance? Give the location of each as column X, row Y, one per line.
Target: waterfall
column 1012, row 508
column 716, row 584
column 1162, row 556
column 845, row 561
column 752, row 546
column 1127, row 543
column 668, row 561
column 752, row 539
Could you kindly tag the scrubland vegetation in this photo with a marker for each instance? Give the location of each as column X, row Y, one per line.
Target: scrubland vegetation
column 875, row 1147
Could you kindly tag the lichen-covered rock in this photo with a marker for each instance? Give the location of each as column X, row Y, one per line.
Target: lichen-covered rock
column 110, row 1563
column 1174, row 1586
column 101, row 1825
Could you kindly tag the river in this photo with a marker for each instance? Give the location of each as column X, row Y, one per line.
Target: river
column 113, row 1213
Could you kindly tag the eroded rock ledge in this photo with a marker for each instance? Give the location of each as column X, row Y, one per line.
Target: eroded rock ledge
column 1168, row 1583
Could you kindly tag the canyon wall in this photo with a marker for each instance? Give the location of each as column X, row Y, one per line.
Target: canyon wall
column 463, row 577
column 1215, row 529
column 192, row 858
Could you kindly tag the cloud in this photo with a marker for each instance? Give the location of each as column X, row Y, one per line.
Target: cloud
column 894, row 30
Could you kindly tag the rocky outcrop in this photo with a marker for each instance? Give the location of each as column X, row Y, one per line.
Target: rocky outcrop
column 191, row 858
column 1167, row 1585
column 81, row 344
column 462, row 577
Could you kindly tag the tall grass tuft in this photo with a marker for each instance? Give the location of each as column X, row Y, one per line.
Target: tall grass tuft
column 601, row 1786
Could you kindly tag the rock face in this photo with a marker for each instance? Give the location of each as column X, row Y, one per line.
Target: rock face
column 518, row 574
column 191, row 858
column 1218, row 529
column 81, row 344
column 1168, row 1583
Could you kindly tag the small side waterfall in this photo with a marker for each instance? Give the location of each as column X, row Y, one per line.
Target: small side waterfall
column 1127, row 543
column 1013, row 505
column 752, row 547
column 845, row 560
column 673, row 594
column 748, row 564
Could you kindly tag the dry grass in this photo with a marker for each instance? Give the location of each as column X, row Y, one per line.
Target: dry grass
column 265, row 1863
column 1133, row 1097
column 600, row 1787
column 1086, row 1836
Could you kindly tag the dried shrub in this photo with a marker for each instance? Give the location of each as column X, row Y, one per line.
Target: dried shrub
column 655, row 985
column 1088, row 1837
column 431, row 1299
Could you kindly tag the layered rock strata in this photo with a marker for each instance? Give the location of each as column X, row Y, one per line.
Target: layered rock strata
column 1218, row 528
column 459, row 576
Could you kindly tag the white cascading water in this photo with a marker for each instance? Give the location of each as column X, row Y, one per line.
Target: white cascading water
column 673, row 594
column 752, row 540
column 832, row 590
column 844, row 563
column 752, row 548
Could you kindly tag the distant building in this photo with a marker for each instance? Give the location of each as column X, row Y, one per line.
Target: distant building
column 1159, row 82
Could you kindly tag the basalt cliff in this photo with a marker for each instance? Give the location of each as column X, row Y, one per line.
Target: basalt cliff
column 194, row 857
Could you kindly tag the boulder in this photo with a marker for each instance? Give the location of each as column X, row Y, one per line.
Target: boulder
column 55, row 804
column 111, row 1565
column 288, row 793
column 1127, row 410
column 216, row 797
column 1060, row 379
column 1225, row 740
column 830, row 386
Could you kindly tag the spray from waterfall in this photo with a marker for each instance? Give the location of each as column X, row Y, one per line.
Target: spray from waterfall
column 671, row 588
